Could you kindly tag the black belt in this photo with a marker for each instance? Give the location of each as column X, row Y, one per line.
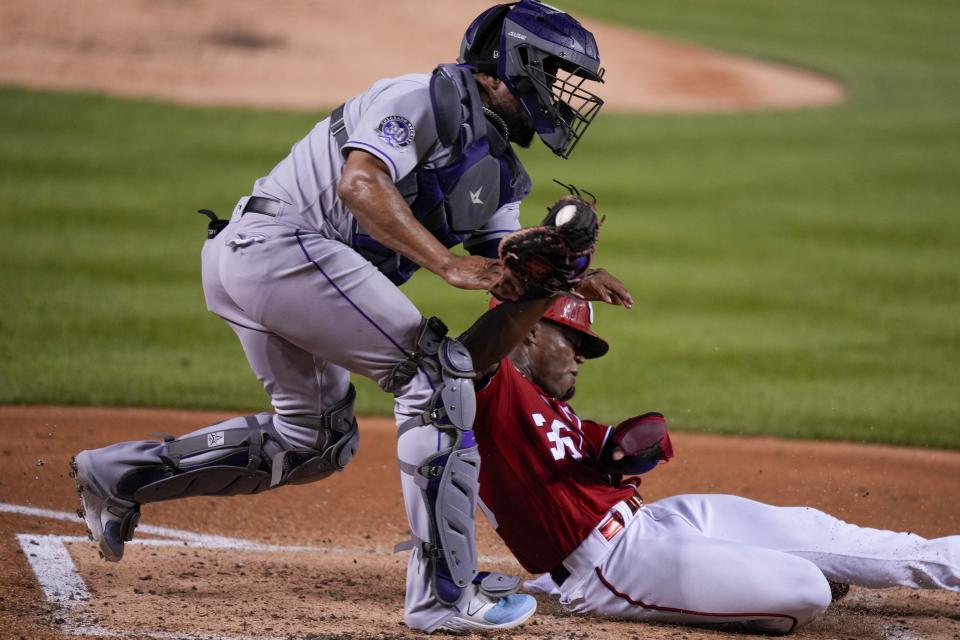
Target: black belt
column 559, row 573
column 609, row 528
column 264, row 206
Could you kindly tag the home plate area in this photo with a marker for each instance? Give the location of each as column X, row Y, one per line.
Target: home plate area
column 189, row 585
column 174, row 584
column 239, row 593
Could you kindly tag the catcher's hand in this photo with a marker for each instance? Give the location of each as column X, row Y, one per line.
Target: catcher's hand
column 597, row 284
column 553, row 257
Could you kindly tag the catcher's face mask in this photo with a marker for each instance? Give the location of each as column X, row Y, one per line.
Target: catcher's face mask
column 544, row 56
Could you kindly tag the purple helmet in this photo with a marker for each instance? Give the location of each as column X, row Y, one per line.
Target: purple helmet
column 544, row 56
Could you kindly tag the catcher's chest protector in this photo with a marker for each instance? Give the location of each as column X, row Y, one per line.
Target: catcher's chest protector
column 481, row 175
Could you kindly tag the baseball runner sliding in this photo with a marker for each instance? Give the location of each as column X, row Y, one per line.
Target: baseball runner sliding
column 307, row 274
column 559, row 491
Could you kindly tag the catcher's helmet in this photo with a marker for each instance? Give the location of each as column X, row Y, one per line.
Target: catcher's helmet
column 544, row 56
column 576, row 313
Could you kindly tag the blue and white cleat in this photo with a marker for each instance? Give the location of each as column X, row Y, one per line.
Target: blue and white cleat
column 484, row 613
column 110, row 521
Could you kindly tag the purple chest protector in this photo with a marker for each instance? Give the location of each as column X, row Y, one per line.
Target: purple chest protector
column 481, row 175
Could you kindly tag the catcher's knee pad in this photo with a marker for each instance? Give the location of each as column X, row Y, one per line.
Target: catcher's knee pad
column 247, row 455
column 430, row 335
column 449, row 478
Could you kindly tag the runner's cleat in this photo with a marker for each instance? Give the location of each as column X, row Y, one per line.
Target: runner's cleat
column 483, row 613
column 110, row 521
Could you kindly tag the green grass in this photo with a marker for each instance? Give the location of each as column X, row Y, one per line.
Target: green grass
column 797, row 273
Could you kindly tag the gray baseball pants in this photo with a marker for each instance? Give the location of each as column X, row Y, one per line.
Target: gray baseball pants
column 308, row 311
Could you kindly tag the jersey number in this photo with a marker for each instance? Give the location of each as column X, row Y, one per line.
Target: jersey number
column 561, row 443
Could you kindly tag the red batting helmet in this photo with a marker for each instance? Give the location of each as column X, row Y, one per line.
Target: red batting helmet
column 576, row 313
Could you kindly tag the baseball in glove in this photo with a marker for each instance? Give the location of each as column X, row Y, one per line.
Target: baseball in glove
column 552, row 258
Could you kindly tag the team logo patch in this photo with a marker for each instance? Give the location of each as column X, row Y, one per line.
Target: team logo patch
column 215, row 439
column 396, row 131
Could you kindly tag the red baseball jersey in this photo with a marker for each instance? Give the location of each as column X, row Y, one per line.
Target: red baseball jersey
column 539, row 470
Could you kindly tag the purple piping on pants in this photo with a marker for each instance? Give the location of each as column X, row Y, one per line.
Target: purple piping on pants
column 346, row 297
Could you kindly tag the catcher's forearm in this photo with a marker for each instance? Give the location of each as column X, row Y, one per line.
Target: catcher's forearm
column 366, row 188
column 495, row 334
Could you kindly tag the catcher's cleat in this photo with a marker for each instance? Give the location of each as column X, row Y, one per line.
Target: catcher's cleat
column 110, row 521
column 483, row 613
column 838, row 590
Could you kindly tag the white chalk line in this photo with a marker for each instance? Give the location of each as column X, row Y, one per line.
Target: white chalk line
column 210, row 541
column 202, row 539
column 51, row 562
column 63, row 586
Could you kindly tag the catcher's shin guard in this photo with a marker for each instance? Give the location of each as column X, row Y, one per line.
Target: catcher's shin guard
column 247, row 455
column 448, row 479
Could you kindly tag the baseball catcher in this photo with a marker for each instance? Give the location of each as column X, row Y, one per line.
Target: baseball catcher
column 307, row 274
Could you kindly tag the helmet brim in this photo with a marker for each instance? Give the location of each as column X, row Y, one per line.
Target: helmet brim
column 591, row 345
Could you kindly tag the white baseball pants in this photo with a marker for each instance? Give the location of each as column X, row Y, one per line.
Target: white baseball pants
column 707, row 559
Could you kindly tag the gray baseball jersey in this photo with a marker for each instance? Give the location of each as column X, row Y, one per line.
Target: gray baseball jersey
column 394, row 121
column 309, row 309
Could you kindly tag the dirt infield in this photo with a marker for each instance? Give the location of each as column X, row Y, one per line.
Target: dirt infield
column 231, row 583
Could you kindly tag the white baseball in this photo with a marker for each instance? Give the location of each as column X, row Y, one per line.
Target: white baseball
column 566, row 214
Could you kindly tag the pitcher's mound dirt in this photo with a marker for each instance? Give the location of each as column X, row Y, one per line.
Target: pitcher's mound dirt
column 309, row 55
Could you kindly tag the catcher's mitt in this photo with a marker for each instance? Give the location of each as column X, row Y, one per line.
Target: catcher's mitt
column 552, row 258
